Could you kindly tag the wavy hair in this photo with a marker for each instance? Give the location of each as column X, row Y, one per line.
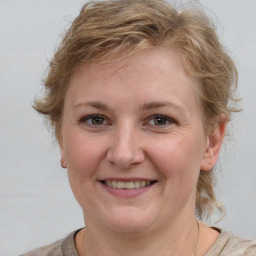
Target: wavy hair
column 103, row 29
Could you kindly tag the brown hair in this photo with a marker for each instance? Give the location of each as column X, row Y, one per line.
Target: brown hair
column 105, row 28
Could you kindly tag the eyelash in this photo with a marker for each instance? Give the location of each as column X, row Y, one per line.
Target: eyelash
column 91, row 117
column 167, row 120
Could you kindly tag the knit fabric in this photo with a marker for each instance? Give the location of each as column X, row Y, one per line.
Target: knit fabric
column 230, row 245
column 225, row 245
column 63, row 247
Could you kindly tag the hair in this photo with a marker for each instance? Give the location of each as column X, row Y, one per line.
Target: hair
column 104, row 29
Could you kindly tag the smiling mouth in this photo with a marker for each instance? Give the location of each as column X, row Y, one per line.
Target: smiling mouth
column 127, row 185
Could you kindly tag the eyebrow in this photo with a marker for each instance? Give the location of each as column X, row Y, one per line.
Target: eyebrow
column 146, row 106
column 94, row 104
column 153, row 105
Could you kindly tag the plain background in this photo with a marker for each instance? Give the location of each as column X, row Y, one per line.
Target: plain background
column 36, row 204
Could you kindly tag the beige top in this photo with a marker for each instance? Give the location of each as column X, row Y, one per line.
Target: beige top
column 226, row 245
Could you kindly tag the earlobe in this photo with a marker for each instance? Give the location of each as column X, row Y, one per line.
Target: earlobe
column 213, row 147
column 63, row 163
column 62, row 155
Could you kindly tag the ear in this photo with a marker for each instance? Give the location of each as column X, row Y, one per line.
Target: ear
column 213, row 146
column 62, row 154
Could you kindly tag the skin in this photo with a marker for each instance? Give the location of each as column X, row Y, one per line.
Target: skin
column 148, row 126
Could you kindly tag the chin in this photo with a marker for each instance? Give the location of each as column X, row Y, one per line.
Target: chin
column 130, row 221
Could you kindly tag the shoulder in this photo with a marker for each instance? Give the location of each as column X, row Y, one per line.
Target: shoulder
column 228, row 244
column 48, row 250
column 63, row 247
column 246, row 247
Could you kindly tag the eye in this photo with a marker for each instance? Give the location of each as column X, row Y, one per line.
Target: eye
column 94, row 120
column 159, row 120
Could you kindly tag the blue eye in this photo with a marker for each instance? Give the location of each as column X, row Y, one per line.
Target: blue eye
column 159, row 120
column 94, row 120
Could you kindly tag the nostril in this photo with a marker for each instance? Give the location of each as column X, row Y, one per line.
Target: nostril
column 125, row 157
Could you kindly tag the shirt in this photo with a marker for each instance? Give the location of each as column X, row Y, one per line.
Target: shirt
column 226, row 245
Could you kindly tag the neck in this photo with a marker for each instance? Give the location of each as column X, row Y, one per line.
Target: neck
column 165, row 242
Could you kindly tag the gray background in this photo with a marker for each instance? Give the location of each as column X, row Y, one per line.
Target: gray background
column 36, row 204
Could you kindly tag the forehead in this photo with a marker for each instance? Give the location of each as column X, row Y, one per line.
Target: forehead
column 152, row 74
column 156, row 60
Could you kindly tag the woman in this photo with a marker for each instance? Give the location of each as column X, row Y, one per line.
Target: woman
column 139, row 97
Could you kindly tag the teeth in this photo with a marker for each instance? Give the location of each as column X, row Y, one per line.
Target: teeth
column 136, row 184
column 114, row 184
column 127, row 185
column 120, row 184
column 143, row 183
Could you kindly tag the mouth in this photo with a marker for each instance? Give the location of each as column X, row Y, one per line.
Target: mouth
column 127, row 184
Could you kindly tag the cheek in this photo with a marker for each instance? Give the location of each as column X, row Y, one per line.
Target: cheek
column 83, row 153
column 83, row 156
column 177, row 156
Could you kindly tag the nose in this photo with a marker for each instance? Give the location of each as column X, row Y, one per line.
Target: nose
column 125, row 150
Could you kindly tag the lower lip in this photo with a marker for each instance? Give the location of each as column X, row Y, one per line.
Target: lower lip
column 126, row 193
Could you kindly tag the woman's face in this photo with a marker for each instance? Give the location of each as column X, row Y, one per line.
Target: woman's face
column 133, row 142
